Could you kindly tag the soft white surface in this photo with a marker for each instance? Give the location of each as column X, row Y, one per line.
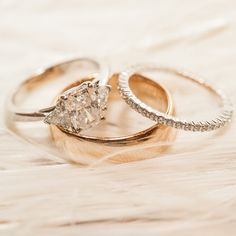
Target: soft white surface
column 191, row 191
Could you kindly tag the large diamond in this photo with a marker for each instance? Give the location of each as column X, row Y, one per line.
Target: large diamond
column 80, row 108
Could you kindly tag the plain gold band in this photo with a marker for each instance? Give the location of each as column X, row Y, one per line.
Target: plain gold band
column 148, row 86
column 81, row 148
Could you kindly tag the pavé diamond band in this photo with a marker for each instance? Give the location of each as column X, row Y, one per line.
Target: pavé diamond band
column 77, row 109
column 147, row 111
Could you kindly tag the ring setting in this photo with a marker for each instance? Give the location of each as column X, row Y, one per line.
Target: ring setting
column 80, row 108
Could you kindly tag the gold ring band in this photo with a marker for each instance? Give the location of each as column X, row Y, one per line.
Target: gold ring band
column 141, row 83
column 81, row 147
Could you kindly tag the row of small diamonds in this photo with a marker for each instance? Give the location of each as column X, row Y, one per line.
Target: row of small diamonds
column 141, row 108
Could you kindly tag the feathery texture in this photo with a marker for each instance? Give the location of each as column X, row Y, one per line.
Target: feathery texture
column 188, row 190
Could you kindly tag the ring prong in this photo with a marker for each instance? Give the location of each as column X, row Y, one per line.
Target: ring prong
column 109, row 87
column 96, row 84
column 63, row 97
column 90, row 85
column 78, row 130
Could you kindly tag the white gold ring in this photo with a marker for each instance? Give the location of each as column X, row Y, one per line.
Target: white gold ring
column 205, row 125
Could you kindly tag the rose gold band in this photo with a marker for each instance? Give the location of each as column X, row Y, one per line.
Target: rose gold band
column 148, row 90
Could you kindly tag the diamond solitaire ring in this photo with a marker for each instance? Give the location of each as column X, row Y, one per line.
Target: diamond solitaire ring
column 147, row 111
column 78, row 108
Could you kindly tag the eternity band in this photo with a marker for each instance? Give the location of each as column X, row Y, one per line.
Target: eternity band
column 147, row 111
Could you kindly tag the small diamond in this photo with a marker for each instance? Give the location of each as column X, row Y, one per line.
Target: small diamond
column 152, row 116
column 80, row 108
column 169, row 122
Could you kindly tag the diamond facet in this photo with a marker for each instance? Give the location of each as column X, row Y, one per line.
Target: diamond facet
column 80, row 108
